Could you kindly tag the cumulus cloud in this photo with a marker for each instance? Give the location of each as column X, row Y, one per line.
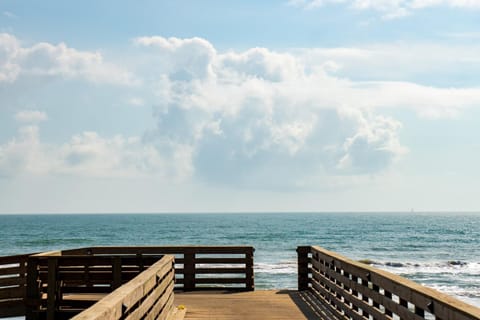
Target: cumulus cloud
column 246, row 116
column 254, row 118
column 388, row 8
column 30, row 116
column 86, row 154
column 45, row 59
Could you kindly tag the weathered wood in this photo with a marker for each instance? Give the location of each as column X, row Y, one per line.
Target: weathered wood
column 302, row 266
column 350, row 286
column 12, row 281
column 13, row 293
column 189, row 270
column 249, row 276
column 125, row 300
column 20, row 258
column 252, row 305
column 160, row 249
column 52, row 288
column 12, row 308
column 13, row 270
column 32, row 302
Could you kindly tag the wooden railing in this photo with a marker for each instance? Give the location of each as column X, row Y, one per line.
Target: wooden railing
column 352, row 290
column 148, row 296
column 60, row 286
column 52, row 278
column 13, row 285
column 196, row 267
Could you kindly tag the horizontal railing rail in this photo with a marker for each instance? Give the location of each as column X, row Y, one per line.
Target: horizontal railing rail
column 13, row 284
column 33, row 284
column 196, row 267
column 353, row 290
column 60, row 286
column 147, row 296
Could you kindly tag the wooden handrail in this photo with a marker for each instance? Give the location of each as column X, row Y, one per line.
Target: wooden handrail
column 13, row 285
column 52, row 281
column 352, row 290
column 149, row 295
column 194, row 262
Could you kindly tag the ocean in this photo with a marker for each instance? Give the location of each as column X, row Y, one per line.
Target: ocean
column 439, row 250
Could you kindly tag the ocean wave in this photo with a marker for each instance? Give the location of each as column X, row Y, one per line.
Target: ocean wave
column 451, row 266
column 281, row 267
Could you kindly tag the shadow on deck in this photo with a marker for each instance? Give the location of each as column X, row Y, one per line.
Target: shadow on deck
column 271, row 304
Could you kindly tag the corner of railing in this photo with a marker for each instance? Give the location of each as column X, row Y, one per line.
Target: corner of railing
column 303, row 271
column 249, row 275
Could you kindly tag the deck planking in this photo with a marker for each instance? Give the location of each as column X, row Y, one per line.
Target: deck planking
column 261, row 304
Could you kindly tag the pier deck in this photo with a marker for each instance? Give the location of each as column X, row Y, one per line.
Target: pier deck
column 150, row 282
column 262, row 304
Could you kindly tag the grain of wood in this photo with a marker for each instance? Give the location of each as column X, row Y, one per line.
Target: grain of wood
column 271, row 304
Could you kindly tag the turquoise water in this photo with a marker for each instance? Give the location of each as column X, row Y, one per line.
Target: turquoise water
column 439, row 250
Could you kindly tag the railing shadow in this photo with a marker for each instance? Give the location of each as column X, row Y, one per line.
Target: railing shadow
column 311, row 308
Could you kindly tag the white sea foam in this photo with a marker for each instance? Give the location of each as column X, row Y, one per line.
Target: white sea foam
column 456, row 278
column 280, row 267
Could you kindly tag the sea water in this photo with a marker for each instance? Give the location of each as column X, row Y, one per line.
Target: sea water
column 439, row 250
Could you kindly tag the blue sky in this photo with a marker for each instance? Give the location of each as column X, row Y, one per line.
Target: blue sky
column 194, row 106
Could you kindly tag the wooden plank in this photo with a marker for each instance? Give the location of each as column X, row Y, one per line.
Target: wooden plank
column 219, row 280
column 12, row 308
column 12, row 270
column 163, row 303
column 32, row 299
column 330, row 300
column 142, row 285
column 127, row 296
column 332, row 280
column 10, row 293
column 21, row 258
column 220, row 270
column 249, row 275
column 400, row 310
column 139, row 313
column 302, row 267
column 52, row 288
column 251, row 305
column 220, row 260
column 189, row 271
column 12, row 281
column 406, row 289
column 170, row 249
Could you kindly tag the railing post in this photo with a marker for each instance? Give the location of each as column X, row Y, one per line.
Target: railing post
column 117, row 272
column 250, row 281
column 189, row 270
column 52, row 288
column 302, row 257
column 32, row 302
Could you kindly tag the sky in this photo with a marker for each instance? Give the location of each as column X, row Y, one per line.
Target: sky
column 239, row 106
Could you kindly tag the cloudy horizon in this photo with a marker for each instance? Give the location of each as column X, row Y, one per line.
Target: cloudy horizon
column 215, row 112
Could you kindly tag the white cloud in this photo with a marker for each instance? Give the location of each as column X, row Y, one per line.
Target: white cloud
column 250, row 115
column 256, row 113
column 31, row 116
column 390, row 9
column 441, row 65
column 45, row 59
column 255, row 118
column 86, row 154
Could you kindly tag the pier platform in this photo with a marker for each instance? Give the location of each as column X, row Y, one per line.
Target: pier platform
column 261, row 304
column 183, row 282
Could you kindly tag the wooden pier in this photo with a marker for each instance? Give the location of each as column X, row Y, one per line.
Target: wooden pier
column 208, row 282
